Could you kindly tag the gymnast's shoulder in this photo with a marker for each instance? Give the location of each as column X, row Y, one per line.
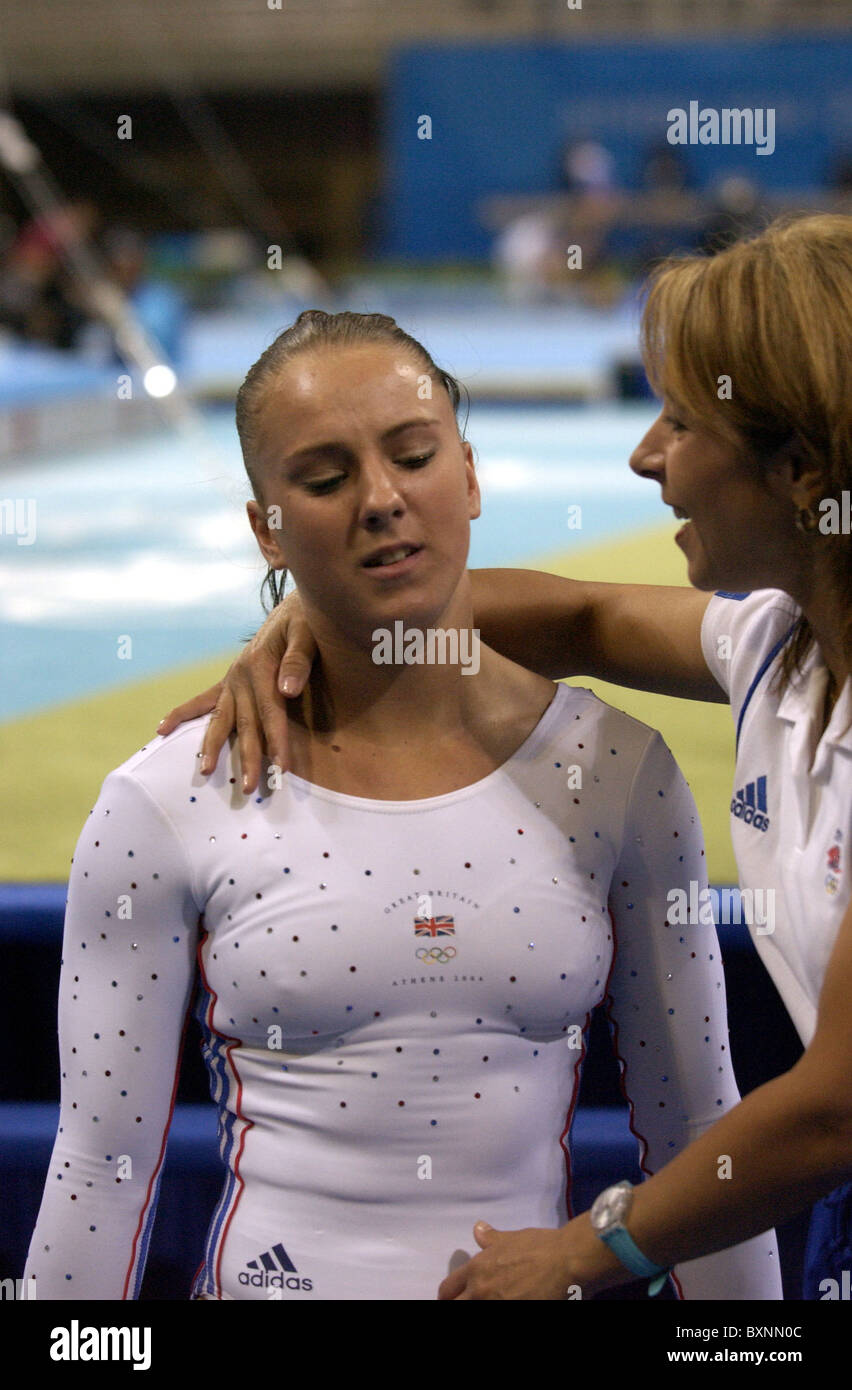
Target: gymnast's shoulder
column 168, row 769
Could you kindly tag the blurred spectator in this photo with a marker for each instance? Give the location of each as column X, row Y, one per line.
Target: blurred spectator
column 38, row 299
column 530, row 255
column 159, row 308
column 666, row 180
column 588, row 172
column 587, row 167
column 737, row 210
column 553, row 251
column 665, row 170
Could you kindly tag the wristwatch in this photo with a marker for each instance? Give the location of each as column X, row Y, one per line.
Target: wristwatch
column 608, row 1213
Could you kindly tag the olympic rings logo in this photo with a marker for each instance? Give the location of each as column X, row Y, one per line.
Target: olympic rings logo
column 435, row 955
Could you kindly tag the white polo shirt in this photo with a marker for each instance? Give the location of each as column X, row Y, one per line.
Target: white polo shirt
column 791, row 808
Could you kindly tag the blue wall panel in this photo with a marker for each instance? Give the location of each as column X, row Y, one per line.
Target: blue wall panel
column 501, row 114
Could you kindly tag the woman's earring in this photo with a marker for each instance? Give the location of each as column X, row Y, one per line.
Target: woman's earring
column 807, row 520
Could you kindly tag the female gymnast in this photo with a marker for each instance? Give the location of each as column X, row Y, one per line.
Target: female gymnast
column 393, row 955
column 749, row 351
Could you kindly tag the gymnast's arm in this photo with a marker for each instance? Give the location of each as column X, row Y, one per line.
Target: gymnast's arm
column 667, row 1009
column 127, row 978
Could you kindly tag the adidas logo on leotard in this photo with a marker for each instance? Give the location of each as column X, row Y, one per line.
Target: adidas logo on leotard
column 749, row 804
column 274, row 1270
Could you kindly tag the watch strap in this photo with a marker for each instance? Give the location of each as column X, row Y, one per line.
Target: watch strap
column 624, row 1247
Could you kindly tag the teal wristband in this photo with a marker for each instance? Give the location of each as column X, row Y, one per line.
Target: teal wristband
column 625, row 1249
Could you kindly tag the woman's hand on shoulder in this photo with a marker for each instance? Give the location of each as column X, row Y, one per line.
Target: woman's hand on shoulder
column 277, row 661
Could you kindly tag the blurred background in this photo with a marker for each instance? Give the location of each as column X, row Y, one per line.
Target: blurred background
column 178, row 180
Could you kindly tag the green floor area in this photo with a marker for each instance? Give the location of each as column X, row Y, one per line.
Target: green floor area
column 53, row 763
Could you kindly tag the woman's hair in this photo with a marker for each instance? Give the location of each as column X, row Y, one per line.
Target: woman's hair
column 773, row 314
column 315, row 329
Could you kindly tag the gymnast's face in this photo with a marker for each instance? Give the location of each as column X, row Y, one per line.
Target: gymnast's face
column 375, row 488
column 739, row 533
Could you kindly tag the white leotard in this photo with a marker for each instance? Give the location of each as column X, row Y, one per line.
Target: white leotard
column 392, row 995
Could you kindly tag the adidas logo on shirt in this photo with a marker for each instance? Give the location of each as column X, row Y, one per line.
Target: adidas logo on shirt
column 274, row 1270
column 749, row 804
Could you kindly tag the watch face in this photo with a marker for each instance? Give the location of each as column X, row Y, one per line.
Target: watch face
column 611, row 1206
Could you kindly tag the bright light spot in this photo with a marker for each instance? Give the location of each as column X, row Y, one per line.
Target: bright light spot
column 159, row 381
